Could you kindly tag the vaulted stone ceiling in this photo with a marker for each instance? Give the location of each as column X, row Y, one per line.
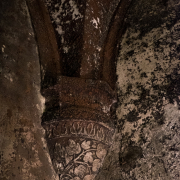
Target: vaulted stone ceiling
column 146, row 140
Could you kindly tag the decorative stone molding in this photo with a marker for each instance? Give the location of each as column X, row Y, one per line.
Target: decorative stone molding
column 81, row 132
column 79, row 128
column 94, row 94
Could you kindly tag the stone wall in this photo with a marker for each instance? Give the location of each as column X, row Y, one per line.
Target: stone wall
column 23, row 151
column 146, row 145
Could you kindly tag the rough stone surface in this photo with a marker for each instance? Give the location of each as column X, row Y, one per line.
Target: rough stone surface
column 146, row 145
column 23, row 151
column 81, row 29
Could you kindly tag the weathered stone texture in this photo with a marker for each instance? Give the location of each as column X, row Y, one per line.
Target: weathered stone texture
column 23, row 151
column 81, row 28
column 146, row 145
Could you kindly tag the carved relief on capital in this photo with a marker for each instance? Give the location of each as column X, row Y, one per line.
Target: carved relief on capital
column 79, row 128
column 78, row 148
column 79, row 132
column 78, row 159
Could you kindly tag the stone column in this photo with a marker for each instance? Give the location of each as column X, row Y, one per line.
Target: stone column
column 80, row 133
column 79, row 109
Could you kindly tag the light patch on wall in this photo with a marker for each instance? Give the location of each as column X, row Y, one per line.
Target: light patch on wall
column 45, row 146
column 95, row 22
column 99, row 48
column 42, row 72
column 27, row 168
column 9, row 77
column 3, row 47
column 66, row 49
column 41, row 105
column 75, row 11
column 59, row 30
column 42, row 102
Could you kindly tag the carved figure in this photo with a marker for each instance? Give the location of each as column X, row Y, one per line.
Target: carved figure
column 78, row 80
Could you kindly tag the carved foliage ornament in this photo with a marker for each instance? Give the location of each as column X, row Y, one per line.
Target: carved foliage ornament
column 79, row 159
column 78, row 148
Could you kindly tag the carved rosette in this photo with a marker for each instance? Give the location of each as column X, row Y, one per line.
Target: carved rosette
column 80, row 131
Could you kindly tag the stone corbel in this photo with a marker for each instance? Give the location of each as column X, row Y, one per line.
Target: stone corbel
column 79, row 114
column 79, row 134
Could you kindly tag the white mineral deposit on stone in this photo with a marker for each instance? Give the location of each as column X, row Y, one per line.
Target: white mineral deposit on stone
column 42, row 72
column 42, row 102
column 66, row 49
column 60, row 10
column 3, row 47
column 95, row 22
column 59, row 30
column 98, row 48
column 9, row 77
column 76, row 14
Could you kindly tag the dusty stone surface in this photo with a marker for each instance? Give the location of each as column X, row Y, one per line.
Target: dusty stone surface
column 23, row 151
column 146, row 145
column 81, row 29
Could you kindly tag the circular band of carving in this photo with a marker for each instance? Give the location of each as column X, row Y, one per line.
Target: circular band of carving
column 79, row 128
